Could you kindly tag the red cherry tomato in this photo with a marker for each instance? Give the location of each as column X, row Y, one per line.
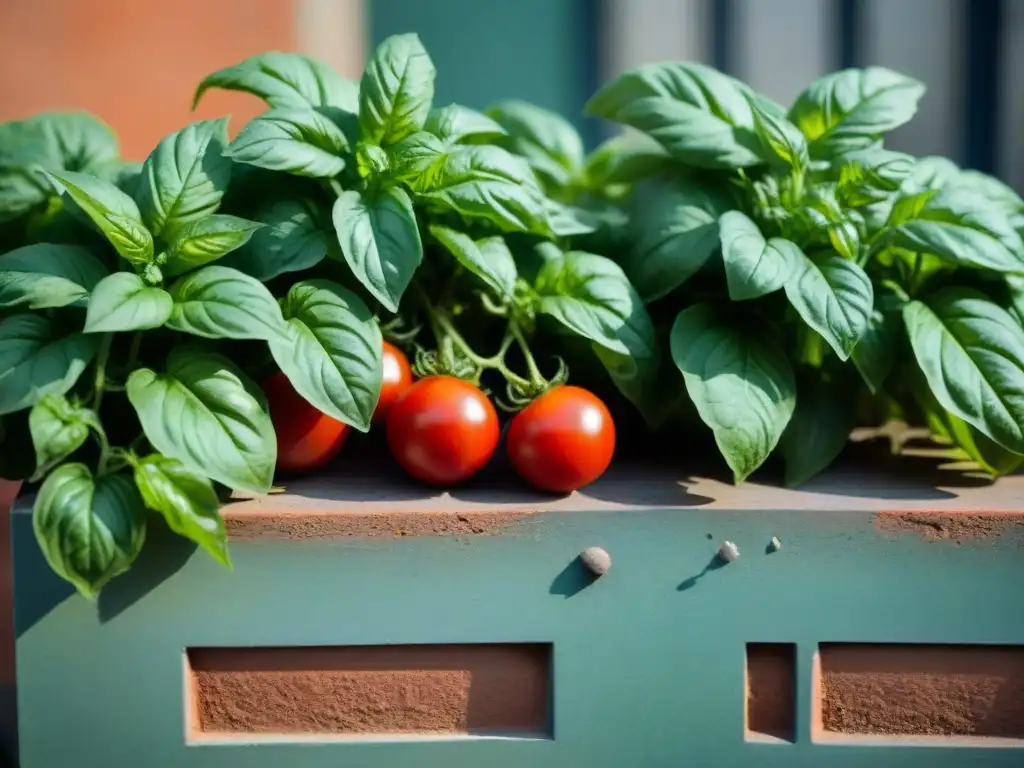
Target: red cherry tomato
column 562, row 441
column 306, row 437
column 442, row 430
column 397, row 379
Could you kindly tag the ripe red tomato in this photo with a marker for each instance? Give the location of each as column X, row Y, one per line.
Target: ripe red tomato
column 442, row 430
column 397, row 379
column 562, row 441
column 306, row 437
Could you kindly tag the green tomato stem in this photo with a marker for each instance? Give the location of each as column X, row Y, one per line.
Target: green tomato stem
column 537, row 380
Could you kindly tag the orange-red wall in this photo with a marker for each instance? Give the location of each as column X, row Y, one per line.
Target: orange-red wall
column 135, row 64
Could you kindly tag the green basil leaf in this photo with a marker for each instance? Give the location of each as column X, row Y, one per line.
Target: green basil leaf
column 333, row 354
column 990, row 456
column 126, row 175
column 89, row 529
column 58, row 429
column 852, row 108
column 673, row 232
column 549, row 142
column 834, row 297
column 299, row 141
column 645, row 381
column 958, row 225
column 739, row 380
column 485, row 182
column 1016, row 285
column 698, row 114
column 417, row 158
column 186, row 500
column 455, row 122
column 569, row 220
column 820, row 428
column 285, row 80
column 380, row 241
column 46, row 275
column 930, row 173
column 218, row 302
column 625, row 159
column 1011, row 203
column 116, row 214
column 875, row 353
column 291, row 240
column 972, row 354
column 868, row 176
column 782, row 142
column 186, row 176
column 488, row 258
column 396, row 90
column 123, row 302
column 204, row 240
column 72, row 141
column 37, row 359
column 207, row 414
column 592, row 296
column 754, row 266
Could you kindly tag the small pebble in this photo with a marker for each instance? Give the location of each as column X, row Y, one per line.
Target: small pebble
column 729, row 552
column 596, row 560
column 775, row 544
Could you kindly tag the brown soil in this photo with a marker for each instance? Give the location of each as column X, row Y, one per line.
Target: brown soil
column 311, row 525
column 958, row 527
column 493, row 689
column 771, row 690
column 922, row 690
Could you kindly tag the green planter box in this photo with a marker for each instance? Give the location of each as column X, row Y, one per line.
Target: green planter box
column 892, row 607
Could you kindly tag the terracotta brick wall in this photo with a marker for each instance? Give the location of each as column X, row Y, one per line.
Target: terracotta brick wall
column 136, row 64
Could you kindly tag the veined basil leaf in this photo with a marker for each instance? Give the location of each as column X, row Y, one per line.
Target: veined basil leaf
column 126, row 175
column 485, row 182
column 488, row 258
column 89, row 529
column 123, row 302
column 754, row 266
column 204, row 240
column 186, row 500
column 739, row 380
column 455, row 122
column 299, row 141
column 1016, row 285
column 58, row 429
column 698, row 114
column 624, row 159
column 46, row 275
column 958, row 225
column 930, row 173
column 333, row 353
column 380, row 241
column 782, row 142
column 592, row 296
column 820, row 428
column 416, row 158
column 396, row 90
column 549, row 142
column 38, row 359
column 291, row 240
column 207, row 414
column 972, row 354
column 116, row 214
column 218, row 302
column 852, row 108
column 834, row 297
column 186, row 176
column 645, row 382
column 1011, row 203
column 285, row 80
column 673, row 232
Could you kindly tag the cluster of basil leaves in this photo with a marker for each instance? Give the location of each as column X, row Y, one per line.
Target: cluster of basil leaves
column 141, row 303
column 775, row 247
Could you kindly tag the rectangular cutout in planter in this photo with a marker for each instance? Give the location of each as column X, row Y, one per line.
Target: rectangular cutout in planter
column 369, row 691
column 927, row 693
column 771, row 692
